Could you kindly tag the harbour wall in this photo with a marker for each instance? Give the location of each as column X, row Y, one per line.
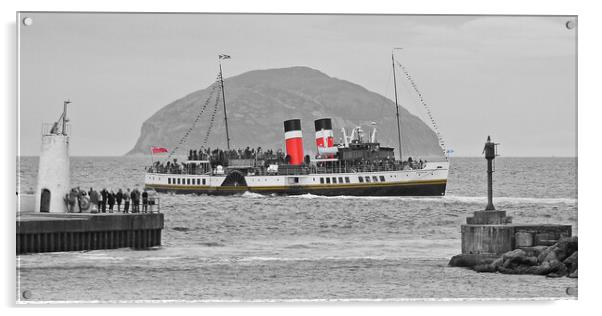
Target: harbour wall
column 52, row 232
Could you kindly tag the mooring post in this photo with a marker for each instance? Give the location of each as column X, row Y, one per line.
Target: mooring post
column 489, row 151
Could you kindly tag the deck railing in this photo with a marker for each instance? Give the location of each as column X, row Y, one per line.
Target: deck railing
column 298, row 170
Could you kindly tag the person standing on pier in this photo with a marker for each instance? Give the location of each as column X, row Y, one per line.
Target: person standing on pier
column 94, row 201
column 119, row 198
column 135, row 200
column 111, row 200
column 145, row 201
column 103, row 203
column 71, row 199
column 126, row 201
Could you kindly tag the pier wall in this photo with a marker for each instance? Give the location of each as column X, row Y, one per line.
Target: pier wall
column 498, row 239
column 75, row 232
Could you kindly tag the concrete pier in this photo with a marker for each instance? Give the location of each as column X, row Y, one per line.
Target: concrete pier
column 489, row 236
column 48, row 232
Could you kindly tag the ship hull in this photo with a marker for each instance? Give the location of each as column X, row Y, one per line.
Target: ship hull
column 401, row 189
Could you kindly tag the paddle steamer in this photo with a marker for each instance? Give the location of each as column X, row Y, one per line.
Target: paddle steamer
column 357, row 166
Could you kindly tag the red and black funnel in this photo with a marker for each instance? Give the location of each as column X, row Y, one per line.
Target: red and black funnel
column 294, row 141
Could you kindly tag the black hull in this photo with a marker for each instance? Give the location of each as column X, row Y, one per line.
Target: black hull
column 422, row 189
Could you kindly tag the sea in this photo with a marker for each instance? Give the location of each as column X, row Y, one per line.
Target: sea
column 252, row 247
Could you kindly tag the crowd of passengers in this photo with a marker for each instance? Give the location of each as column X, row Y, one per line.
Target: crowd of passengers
column 267, row 157
column 93, row 201
column 242, row 153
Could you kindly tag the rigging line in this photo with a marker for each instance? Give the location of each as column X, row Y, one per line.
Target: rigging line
column 426, row 106
column 185, row 136
column 212, row 120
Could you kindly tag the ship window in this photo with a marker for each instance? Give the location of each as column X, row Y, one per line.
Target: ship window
column 368, row 179
column 334, row 180
column 340, row 179
column 328, row 180
column 382, row 178
column 203, row 181
column 374, row 178
column 346, row 179
column 322, row 180
column 187, row 181
column 168, row 180
column 178, row 180
column 361, row 179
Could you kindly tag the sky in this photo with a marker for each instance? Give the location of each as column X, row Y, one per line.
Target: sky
column 513, row 78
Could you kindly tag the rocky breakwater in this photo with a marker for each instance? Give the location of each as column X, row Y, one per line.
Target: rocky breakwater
column 557, row 260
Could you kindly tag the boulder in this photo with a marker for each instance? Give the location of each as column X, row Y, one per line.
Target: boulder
column 571, row 263
column 557, row 260
column 471, row 260
column 566, row 247
column 534, row 251
column 514, row 254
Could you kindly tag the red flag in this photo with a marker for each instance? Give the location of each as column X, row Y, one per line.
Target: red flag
column 158, row 150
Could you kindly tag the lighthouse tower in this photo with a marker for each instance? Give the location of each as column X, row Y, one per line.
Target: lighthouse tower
column 53, row 171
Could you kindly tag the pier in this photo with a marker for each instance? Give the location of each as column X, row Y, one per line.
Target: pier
column 53, row 232
column 492, row 243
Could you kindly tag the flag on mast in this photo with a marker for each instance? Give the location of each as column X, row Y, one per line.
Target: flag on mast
column 224, row 56
column 158, row 150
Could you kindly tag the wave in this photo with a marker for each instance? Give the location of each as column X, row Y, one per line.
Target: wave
column 510, row 200
column 336, row 258
column 448, row 198
column 248, row 194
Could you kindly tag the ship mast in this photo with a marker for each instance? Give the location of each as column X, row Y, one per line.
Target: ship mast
column 221, row 79
column 396, row 105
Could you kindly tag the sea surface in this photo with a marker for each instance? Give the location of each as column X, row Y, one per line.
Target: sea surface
column 254, row 247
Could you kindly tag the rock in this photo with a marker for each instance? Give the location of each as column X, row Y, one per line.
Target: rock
column 498, row 262
column 471, row 260
column 553, row 261
column 550, row 256
column 571, row 263
column 544, row 253
column 514, row 253
column 566, row 247
column 541, row 269
column 557, row 269
column 534, row 251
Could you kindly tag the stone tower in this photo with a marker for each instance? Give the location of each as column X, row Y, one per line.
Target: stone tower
column 53, row 170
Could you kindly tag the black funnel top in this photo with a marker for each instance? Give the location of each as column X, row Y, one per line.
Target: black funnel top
column 323, row 124
column 292, row 125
